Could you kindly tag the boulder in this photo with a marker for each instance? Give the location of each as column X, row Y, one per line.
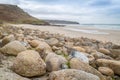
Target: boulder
column 91, row 60
column 19, row 37
column 25, row 43
column 60, row 44
column 54, row 48
column 8, row 39
column 1, row 57
column 78, row 48
column 115, row 47
column 77, row 64
column 59, row 52
column 43, row 48
column 52, row 41
column 104, row 51
column 115, row 53
column 99, row 55
column 29, row 63
column 69, row 44
column 20, row 31
column 9, row 75
column 72, row 74
column 34, row 43
column 114, row 65
column 54, row 62
column 13, row 48
column 6, row 72
column 106, row 71
column 88, row 49
column 1, row 31
column 44, row 77
column 80, row 55
column 109, row 78
column 118, row 58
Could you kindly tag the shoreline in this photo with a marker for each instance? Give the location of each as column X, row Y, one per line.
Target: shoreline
column 112, row 36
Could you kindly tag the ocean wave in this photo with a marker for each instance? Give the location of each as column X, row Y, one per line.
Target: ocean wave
column 87, row 31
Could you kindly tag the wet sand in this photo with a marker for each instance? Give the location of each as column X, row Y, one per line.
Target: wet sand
column 98, row 34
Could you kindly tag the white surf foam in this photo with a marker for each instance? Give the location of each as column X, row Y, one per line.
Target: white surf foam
column 87, row 31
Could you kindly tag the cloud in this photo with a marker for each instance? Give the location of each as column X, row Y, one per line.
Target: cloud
column 100, row 3
column 14, row 2
column 84, row 11
column 54, row 10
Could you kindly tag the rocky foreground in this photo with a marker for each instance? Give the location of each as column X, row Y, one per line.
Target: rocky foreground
column 27, row 54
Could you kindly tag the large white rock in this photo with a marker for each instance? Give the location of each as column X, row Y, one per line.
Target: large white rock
column 80, row 55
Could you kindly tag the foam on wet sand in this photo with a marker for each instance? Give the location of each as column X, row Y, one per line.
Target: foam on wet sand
column 87, row 31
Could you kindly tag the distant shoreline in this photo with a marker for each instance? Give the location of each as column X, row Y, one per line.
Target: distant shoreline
column 113, row 35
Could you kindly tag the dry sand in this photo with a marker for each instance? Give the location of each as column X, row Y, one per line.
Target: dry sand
column 112, row 36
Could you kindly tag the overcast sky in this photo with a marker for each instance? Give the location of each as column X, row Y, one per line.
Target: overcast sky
column 83, row 11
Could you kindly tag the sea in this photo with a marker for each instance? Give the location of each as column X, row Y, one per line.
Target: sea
column 92, row 28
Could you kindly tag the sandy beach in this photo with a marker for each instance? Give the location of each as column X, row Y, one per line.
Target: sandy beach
column 92, row 33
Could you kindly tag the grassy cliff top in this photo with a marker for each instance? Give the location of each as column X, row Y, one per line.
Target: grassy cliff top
column 14, row 14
